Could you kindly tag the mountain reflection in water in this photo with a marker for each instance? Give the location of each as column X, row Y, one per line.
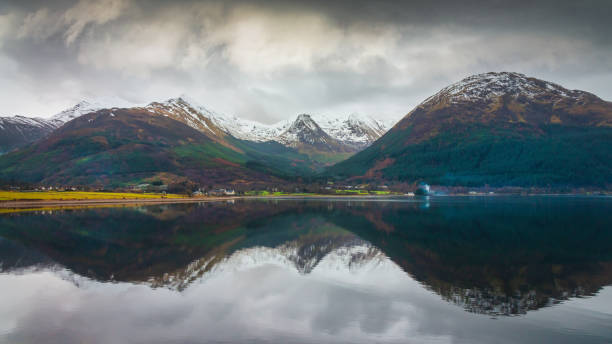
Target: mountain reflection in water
column 493, row 256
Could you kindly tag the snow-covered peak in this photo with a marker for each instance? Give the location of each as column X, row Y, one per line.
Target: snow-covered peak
column 304, row 130
column 78, row 110
column 304, row 122
column 354, row 130
column 492, row 85
column 87, row 106
column 18, row 131
column 26, row 121
column 194, row 114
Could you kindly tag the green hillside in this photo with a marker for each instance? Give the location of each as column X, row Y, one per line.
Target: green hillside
column 119, row 147
column 480, row 155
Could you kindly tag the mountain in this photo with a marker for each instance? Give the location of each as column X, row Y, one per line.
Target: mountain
column 227, row 132
column 495, row 128
column 327, row 139
column 312, row 142
column 19, row 131
column 355, row 131
column 324, row 139
column 211, row 124
column 305, row 135
column 119, row 147
column 293, row 148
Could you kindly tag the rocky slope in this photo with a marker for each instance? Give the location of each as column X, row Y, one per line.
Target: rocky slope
column 498, row 129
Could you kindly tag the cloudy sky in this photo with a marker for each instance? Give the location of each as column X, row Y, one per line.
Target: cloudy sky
column 269, row 60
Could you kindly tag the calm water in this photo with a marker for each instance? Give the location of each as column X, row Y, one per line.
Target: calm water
column 440, row 270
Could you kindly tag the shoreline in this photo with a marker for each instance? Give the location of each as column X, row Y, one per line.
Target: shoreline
column 77, row 202
column 147, row 201
column 24, row 204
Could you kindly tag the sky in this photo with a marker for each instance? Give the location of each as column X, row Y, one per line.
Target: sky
column 270, row 60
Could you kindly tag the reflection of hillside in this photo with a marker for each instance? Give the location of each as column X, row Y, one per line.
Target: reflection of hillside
column 487, row 257
column 500, row 302
column 496, row 258
column 493, row 289
column 15, row 257
column 131, row 244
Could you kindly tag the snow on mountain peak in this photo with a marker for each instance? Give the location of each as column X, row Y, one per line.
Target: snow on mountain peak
column 22, row 120
column 303, row 130
column 304, row 121
column 88, row 106
column 495, row 84
column 354, row 130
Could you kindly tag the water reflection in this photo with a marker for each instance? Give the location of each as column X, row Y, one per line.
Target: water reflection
column 487, row 256
column 492, row 256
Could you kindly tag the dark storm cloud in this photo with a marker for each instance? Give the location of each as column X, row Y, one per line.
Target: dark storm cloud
column 267, row 60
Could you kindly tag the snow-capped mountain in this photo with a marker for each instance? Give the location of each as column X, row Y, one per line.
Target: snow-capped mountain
column 479, row 129
column 358, row 131
column 339, row 133
column 309, row 134
column 210, row 123
column 88, row 106
column 18, row 131
column 354, row 130
column 487, row 86
column 514, row 98
column 304, row 132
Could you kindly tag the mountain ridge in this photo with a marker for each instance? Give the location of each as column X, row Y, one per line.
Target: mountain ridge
column 307, row 152
column 339, row 134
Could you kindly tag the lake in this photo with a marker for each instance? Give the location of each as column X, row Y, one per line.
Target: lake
column 422, row 270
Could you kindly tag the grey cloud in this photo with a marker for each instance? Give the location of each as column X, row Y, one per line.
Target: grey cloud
column 267, row 60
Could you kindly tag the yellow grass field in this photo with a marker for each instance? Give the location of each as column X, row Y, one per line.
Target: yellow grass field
column 78, row 195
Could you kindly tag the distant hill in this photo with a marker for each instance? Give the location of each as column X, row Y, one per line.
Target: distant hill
column 496, row 128
column 116, row 147
column 19, row 131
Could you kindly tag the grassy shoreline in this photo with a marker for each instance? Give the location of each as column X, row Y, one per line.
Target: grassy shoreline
column 35, row 199
column 80, row 195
